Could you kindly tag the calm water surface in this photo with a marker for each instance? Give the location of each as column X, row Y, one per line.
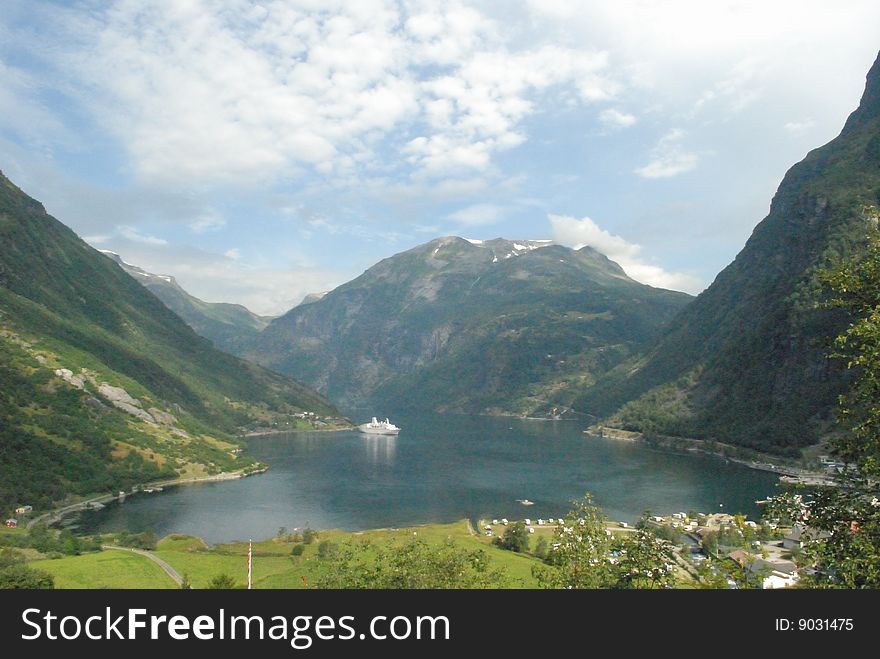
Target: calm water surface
column 439, row 469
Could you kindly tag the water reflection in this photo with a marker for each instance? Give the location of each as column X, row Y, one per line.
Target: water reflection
column 380, row 449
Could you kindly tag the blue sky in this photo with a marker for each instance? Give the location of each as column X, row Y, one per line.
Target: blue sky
column 259, row 151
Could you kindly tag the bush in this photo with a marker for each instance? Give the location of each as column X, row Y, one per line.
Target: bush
column 20, row 575
column 542, row 548
column 145, row 540
column 221, row 582
column 327, row 550
column 298, row 550
column 411, row 564
column 515, row 538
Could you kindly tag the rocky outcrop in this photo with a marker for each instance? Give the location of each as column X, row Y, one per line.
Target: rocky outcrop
column 163, row 418
column 67, row 375
column 120, row 399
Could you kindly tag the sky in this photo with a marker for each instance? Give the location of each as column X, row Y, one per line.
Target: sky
column 260, row 151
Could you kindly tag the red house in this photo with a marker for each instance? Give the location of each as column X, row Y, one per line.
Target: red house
column 11, row 523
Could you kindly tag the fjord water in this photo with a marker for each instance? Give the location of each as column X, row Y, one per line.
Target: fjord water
column 439, row 469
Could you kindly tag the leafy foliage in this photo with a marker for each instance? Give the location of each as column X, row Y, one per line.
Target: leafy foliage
column 580, row 550
column 410, row 565
column 21, row 576
column 584, row 555
column 15, row 574
column 144, row 540
column 222, row 582
column 515, row 538
column 843, row 523
column 643, row 561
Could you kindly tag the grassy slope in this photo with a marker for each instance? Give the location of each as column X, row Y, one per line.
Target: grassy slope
column 106, row 569
column 273, row 565
column 64, row 305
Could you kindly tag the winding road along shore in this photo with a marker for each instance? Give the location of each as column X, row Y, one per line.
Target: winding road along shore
column 55, row 516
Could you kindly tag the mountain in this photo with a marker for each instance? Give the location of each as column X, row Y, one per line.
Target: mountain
column 493, row 326
column 229, row 326
column 312, row 297
column 101, row 385
column 746, row 362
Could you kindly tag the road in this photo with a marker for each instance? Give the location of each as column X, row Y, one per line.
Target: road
column 170, row 571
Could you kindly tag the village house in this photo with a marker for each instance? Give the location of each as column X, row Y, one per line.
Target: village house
column 24, row 510
column 774, row 574
column 799, row 536
column 741, row 558
column 11, row 523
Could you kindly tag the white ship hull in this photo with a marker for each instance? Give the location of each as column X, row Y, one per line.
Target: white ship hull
column 367, row 429
column 375, row 427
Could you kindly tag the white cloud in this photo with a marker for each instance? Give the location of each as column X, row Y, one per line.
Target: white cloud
column 579, row 233
column 736, row 90
column 225, row 93
column 799, row 127
column 477, row 109
column 234, row 254
column 478, row 215
column 22, row 111
column 614, row 118
column 132, row 234
column 669, row 158
column 207, row 221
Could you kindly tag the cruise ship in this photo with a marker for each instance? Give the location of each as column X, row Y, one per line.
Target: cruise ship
column 375, row 427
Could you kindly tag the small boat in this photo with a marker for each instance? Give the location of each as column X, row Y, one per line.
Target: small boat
column 526, row 502
column 375, row 427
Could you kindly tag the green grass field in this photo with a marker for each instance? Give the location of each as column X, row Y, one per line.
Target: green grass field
column 273, row 564
column 106, row 569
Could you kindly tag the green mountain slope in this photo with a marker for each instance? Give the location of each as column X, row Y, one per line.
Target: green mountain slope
column 229, row 326
column 453, row 325
column 746, row 362
column 101, row 385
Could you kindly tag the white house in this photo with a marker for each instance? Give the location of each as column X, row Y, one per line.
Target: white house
column 774, row 574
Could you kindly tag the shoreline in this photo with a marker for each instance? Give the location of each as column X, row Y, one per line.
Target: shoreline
column 274, row 431
column 761, row 462
column 55, row 515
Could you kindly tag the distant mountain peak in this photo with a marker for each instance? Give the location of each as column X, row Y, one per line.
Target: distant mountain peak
column 136, row 271
column 500, row 248
column 309, row 298
column 469, row 325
